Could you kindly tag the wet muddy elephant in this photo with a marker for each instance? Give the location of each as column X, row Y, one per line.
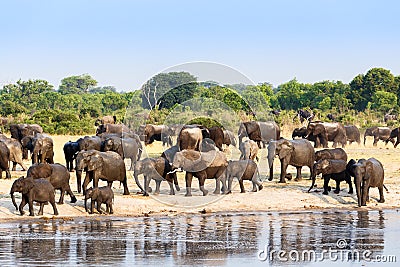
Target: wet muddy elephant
column 202, row 165
column 107, row 166
column 367, row 173
column 297, row 153
column 38, row 190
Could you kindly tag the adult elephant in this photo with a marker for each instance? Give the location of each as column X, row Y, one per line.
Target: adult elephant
column 4, row 160
column 367, row 173
column 259, row 131
column 42, row 149
column 70, row 149
column 105, row 120
column 379, row 133
column 217, row 135
column 108, row 166
column 56, row 174
column 394, row 134
column 297, row 153
column 157, row 169
column 19, row 131
column 331, row 153
column 112, row 128
column 202, row 165
column 299, row 132
column 125, row 147
column 15, row 151
column 89, row 143
column 352, row 134
column 190, row 138
column 157, row 133
column 327, row 131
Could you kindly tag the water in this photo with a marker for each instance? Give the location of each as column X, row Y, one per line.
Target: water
column 209, row 240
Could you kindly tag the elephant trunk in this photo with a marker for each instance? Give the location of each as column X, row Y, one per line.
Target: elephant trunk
column 175, row 178
column 86, row 198
column 13, row 199
column 358, row 189
column 136, row 175
column 79, row 180
column 365, row 137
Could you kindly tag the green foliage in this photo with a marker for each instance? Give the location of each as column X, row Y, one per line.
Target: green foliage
column 383, row 101
column 77, row 84
column 205, row 121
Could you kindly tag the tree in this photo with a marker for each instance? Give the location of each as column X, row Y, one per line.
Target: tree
column 77, row 84
column 289, row 95
column 167, row 89
column 383, row 101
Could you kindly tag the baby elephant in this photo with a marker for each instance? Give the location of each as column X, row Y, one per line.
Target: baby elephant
column 332, row 168
column 100, row 195
column 242, row 170
column 39, row 190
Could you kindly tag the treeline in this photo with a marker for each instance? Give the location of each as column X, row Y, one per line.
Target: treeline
column 78, row 102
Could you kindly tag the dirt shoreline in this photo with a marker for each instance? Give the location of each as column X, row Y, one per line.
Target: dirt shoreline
column 275, row 197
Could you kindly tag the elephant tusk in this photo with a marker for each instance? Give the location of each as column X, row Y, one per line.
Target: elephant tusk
column 176, row 170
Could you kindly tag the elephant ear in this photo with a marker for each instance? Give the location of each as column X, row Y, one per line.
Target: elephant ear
column 319, row 129
column 285, row 149
column 27, row 185
column 96, row 162
column 368, row 169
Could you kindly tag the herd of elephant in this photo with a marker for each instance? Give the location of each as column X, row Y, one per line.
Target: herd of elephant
column 198, row 151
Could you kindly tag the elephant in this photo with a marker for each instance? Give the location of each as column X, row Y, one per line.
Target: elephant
column 190, row 138
column 229, row 138
column 106, row 120
column 389, row 117
column 327, row 131
column 331, row 117
column 299, row 132
column 158, row 169
column 249, row 150
column 157, row 133
column 108, row 166
column 394, row 134
column 19, row 131
column 352, row 134
column 42, row 149
column 125, row 147
column 297, row 153
column 15, row 151
column 89, row 142
column 4, row 160
column 333, row 153
column 70, row 149
column 203, row 165
column 39, row 190
column 207, row 145
column 379, row 133
column 304, row 115
column 217, row 135
column 331, row 169
column 112, row 128
column 56, row 174
column 259, row 131
column 367, row 173
column 169, row 154
column 100, row 195
column 243, row 170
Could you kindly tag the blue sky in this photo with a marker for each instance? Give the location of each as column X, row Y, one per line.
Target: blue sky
column 123, row 43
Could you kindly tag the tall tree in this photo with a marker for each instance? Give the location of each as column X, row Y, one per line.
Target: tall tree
column 77, row 84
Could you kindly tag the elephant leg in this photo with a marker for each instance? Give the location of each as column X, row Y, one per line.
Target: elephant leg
column 175, row 179
column 348, row 181
column 397, row 142
column 14, row 167
column 8, row 174
column 217, row 186
column 110, row 205
column 30, row 203
column 41, row 208
column 271, row 173
column 337, row 190
column 53, row 204
column 79, row 180
column 188, row 178
column 242, row 190
column 298, row 175
column 146, row 182
column 256, row 183
column 99, row 207
column 158, row 183
column 22, row 205
column 381, row 197
column 86, row 181
column 69, row 191
column 326, row 184
column 202, row 179
column 376, row 139
column 283, row 171
column 171, row 188
column 91, row 206
column 61, row 200
column 132, row 163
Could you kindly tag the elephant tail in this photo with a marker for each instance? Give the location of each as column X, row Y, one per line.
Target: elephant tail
column 384, row 186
